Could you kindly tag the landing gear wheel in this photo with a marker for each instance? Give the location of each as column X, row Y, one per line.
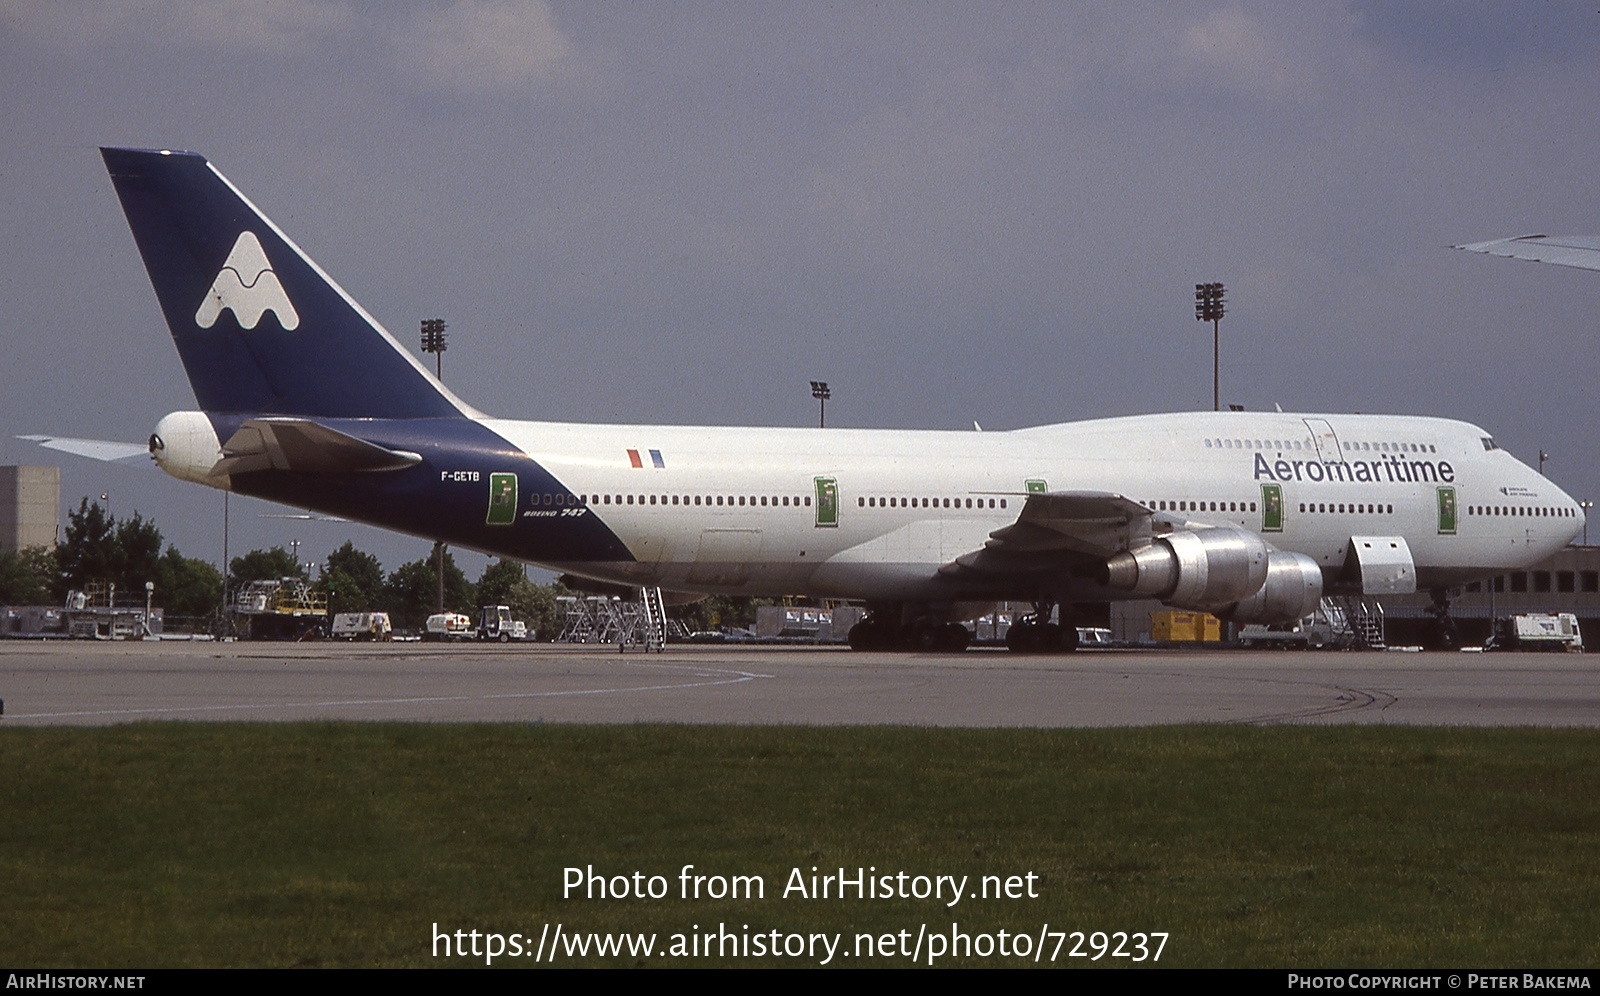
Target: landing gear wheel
column 1022, row 638
column 869, row 634
column 956, row 637
column 1049, row 639
column 1445, row 635
column 1069, row 639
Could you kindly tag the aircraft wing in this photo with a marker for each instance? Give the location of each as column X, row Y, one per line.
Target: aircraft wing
column 95, row 449
column 1581, row 251
column 1055, row 530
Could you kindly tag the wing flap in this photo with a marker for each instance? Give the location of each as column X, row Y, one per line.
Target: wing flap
column 1056, row 529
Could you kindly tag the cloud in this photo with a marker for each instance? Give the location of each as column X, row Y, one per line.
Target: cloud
column 1282, row 58
column 260, row 25
column 481, row 46
column 474, row 47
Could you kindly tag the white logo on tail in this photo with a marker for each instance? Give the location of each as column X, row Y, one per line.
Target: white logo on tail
column 247, row 285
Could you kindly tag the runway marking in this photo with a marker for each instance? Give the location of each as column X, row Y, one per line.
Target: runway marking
column 730, row 678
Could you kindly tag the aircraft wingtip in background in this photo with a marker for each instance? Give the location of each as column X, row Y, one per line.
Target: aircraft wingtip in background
column 1578, row 251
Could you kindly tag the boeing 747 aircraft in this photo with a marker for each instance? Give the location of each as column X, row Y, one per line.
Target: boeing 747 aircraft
column 304, row 399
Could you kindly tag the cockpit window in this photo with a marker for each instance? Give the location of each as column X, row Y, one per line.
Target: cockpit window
column 1489, row 443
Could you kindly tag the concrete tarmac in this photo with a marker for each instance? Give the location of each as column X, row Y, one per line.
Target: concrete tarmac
column 100, row 683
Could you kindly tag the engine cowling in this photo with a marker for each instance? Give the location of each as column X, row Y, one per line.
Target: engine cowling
column 1292, row 590
column 1202, row 569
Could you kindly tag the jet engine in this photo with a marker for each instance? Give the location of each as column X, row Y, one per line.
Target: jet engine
column 1292, row 591
column 1203, row 569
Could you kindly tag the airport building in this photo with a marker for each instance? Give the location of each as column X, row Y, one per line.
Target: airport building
column 30, row 507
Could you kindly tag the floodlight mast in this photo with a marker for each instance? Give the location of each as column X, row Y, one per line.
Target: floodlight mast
column 433, row 341
column 1209, row 307
column 819, row 390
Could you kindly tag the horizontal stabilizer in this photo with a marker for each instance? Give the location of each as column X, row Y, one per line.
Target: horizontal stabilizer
column 95, row 449
column 306, row 447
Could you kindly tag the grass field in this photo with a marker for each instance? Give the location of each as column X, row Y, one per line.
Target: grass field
column 342, row 844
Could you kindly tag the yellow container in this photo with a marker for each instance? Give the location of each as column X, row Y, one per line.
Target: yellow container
column 1185, row 627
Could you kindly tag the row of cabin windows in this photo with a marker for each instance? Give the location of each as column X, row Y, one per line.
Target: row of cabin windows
column 770, row 501
column 1306, row 444
column 1346, row 508
column 1200, row 506
column 1539, row 511
column 1565, row 581
column 926, row 503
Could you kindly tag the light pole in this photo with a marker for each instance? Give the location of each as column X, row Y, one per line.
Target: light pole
column 1586, row 505
column 819, row 390
column 1209, row 307
column 149, row 589
column 433, row 341
column 222, row 620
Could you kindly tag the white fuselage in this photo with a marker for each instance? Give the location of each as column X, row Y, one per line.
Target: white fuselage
column 736, row 510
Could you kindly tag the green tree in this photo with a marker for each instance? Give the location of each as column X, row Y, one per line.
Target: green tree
column 27, row 576
column 187, row 587
column 412, row 591
column 353, row 580
column 88, row 551
column 136, row 553
column 97, row 547
column 264, row 565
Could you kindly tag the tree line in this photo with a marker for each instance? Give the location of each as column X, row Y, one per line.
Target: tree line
column 128, row 552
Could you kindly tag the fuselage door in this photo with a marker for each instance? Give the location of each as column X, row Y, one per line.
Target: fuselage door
column 1326, row 442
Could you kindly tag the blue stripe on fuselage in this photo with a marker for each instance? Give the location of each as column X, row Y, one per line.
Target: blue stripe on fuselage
column 439, row 498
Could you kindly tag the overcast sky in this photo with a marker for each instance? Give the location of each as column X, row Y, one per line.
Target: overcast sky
column 683, row 212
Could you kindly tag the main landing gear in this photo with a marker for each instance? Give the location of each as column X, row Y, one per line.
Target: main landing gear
column 1030, row 635
column 1444, row 636
column 892, row 627
column 877, row 632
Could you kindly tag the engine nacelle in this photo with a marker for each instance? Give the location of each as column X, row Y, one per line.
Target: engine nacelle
column 1204, row 569
column 1292, row 591
column 186, row 446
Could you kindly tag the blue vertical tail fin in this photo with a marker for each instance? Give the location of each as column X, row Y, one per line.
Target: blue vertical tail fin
column 259, row 326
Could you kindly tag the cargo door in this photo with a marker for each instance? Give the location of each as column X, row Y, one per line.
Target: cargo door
column 1385, row 564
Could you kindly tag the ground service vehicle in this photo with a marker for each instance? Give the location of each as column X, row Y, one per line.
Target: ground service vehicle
column 361, row 626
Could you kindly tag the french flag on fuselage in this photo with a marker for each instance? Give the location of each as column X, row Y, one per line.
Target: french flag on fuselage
column 655, row 459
